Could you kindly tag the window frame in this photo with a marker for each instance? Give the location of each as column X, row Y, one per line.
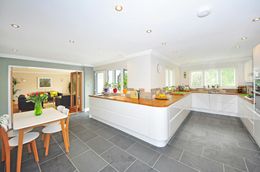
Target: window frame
column 202, row 82
column 219, row 77
column 169, row 77
column 235, row 79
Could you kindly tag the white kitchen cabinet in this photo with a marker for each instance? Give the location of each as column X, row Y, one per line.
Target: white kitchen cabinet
column 257, row 130
column 250, row 118
column 177, row 113
column 200, row 101
column 248, row 71
column 215, row 103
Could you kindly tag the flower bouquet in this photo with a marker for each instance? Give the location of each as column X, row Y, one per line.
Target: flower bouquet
column 37, row 98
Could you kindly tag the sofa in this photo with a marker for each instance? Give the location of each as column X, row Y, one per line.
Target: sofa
column 23, row 105
column 64, row 101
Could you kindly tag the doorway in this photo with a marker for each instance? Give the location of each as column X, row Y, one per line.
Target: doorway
column 25, row 80
column 76, row 92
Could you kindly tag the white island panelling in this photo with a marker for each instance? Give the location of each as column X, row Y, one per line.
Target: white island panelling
column 155, row 125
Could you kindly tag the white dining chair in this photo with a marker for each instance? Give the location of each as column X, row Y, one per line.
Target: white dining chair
column 14, row 133
column 60, row 108
column 8, row 144
column 51, row 129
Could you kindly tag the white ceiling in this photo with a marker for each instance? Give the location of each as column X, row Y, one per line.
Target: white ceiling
column 103, row 35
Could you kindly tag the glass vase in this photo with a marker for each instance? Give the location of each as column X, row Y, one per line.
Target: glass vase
column 38, row 108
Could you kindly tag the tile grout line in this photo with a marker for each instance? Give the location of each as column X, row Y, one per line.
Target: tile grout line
column 130, row 165
column 181, row 155
column 93, row 151
column 110, row 166
column 107, row 150
column 245, row 164
column 157, row 160
column 114, row 145
column 158, row 151
column 150, row 149
column 131, row 146
column 66, row 154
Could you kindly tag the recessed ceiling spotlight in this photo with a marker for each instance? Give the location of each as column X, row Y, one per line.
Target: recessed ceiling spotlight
column 15, row 26
column 71, row 41
column 203, row 12
column 164, row 43
column 119, row 7
column 237, row 46
column 243, row 38
column 256, row 19
column 148, row 31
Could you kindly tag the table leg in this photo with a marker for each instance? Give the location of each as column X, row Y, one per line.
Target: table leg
column 65, row 139
column 20, row 150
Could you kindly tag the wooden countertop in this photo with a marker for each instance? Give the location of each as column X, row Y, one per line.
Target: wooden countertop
column 157, row 103
column 147, row 102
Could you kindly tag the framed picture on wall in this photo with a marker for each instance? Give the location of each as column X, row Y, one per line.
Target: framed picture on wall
column 44, row 82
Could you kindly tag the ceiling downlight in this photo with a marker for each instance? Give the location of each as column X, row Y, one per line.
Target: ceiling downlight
column 243, row 38
column 119, row 7
column 256, row 19
column 149, row 31
column 16, row 26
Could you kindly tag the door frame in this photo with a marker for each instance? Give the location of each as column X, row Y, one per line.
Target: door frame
column 33, row 67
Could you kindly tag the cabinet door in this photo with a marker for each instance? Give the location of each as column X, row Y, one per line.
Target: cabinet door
column 200, row 101
column 215, row 102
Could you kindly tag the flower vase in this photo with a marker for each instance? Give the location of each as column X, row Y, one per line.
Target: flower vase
column 38, row 108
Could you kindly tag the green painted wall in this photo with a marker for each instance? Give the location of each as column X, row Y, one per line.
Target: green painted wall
column 5, row 62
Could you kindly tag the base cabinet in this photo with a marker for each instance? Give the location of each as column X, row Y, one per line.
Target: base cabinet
column 215, row 103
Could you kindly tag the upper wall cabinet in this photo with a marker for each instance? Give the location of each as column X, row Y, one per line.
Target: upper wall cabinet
column 248, row 69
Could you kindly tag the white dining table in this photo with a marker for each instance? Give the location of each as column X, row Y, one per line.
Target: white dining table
column 24, row 120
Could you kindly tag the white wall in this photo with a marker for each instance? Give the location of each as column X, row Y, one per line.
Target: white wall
column 139, row 72
column 112, row 66
column 142, row 70
column 158, row 79
column 238, row 65
column 28, row 82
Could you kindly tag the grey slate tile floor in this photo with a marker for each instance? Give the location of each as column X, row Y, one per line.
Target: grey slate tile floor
column 204, row 143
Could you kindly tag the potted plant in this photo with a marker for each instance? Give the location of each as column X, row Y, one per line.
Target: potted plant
column 37, row 98
column 114, row 88
column 106, row 87
column 15, row 82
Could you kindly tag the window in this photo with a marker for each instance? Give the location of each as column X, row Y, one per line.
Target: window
column 125, row 78
column 168, row 78
column 118, row 79
column 211, row 77
column 225, row 77
column 196, row 79
column 110, row 77
column 228, row 77
column 99, row 82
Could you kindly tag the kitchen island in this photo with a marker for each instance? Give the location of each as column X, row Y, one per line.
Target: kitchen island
column 156, row 121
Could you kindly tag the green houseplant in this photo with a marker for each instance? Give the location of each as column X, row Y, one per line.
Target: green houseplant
column 15, row 82
column 106, row 87
column 37, row 98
